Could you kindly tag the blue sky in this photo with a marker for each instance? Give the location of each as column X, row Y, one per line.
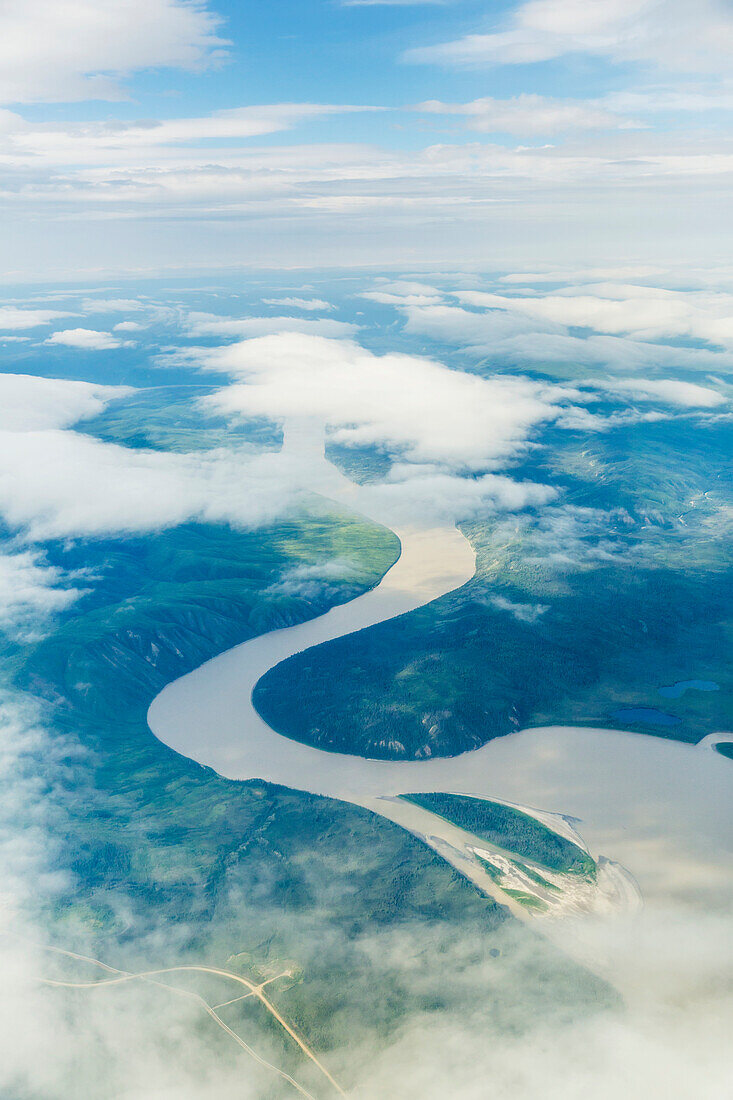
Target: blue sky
column 163, row 135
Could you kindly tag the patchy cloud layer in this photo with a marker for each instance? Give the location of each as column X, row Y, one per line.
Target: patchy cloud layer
column 56, row 51
column 410, row 405
column 627, row 157
column 30, row 403
column 611, row 324
column 645, row 312
column 12, row 318
column 57, row 483
column 61, row 484
column 451, row 432
column 86, row 339
column 663, row 33
column 203, row 324
column 30, row 592
column 670, row 391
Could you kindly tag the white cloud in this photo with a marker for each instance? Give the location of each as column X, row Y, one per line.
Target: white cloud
column 110, row 164
column 119, row 142
column 389, row 3
column 112, row 305
column 581, row 275
column 59, row 484
column 207, row 324
column 314, row 581
column 427, row 494
column 86, row 338
column 30, row 593
column 56, row 483
column 568, row 535
column 81, row 49
column 284, row 204
column 529, row 114
column 660, row 100
column 668, row 390
column 414, row 406
column 308, row 304
column 29, row 403
column 400, row 292
column 407, row 288
column 88, row 1037
column 383, row 298
column 647, row 313
column 18, row 319
column 621, row 353
column 523, row 612
column 515, row 336
column 665, row 33
column 455, row 325
column 670, row 1042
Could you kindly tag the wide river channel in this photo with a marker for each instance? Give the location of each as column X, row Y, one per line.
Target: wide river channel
column 661, row 809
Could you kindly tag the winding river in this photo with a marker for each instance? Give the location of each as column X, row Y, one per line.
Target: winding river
column 660, row 811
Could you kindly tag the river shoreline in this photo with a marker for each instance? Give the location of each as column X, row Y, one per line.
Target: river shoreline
column 658, row 810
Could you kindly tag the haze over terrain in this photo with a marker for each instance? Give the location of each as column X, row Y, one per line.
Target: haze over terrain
column 365, row 583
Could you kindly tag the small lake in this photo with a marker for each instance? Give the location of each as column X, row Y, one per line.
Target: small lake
column 675, row 691
column 645, row 715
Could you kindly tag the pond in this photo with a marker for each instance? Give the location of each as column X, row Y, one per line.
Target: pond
column 675, row 691
column 646, row 716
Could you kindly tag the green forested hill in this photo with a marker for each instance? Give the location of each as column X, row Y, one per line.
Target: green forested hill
column 162, row 862
column 622, row 587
